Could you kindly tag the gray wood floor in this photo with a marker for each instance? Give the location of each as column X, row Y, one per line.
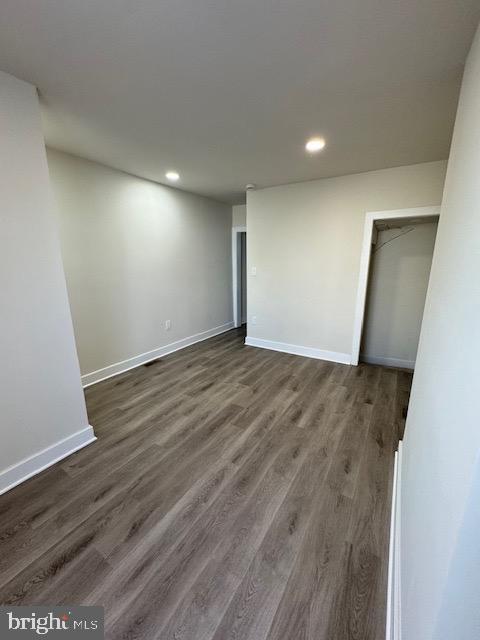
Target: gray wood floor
column 233, row 492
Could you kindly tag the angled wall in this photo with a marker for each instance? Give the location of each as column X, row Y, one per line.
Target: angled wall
column 42, row 407
column 440, row 486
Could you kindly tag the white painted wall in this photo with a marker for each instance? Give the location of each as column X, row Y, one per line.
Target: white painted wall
column 239, row 215
column 459, row 615
column 440, row 488
column 399, row 272
column 136, row 254
column 305, row 241
column 41, row 398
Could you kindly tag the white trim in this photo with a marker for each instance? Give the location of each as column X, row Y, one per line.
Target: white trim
column 389, row 362
column 393, row 621
column 25, row 469
column 298, row 350
column 389, row 621
column 370, row 218
column 125, row 365
column 236, row 265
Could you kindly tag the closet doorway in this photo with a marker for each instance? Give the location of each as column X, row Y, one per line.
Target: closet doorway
column 239, row 272
column 395, row 267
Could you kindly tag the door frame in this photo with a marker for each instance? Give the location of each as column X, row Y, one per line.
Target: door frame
column 236, row 275
column 370, row 218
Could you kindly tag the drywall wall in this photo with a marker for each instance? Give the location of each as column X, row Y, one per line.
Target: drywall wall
column 305, row 242
column 239, row 215
column 41, row 397
column 137, row 254
column 399, row 272
column 442, row 438
column 459, row 614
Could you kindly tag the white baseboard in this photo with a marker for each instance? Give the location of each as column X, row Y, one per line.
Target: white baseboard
column 125, row 365
column 298, row 350
column 393, row 623
column 388, row 362
column 36, row 463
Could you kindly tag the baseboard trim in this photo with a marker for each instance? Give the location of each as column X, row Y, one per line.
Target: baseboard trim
column 298, row 350
column 393, row 621
column 388, row 362
column 125, row 365
column 25, row 469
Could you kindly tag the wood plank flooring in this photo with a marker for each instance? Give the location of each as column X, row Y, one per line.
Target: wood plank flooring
column 233, row 493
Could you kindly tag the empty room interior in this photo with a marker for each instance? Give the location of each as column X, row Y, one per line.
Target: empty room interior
column 240, row 319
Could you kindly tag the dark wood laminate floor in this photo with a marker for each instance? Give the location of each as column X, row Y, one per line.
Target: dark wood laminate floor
column 233, row 492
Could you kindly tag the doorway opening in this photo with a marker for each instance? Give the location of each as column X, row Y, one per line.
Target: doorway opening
column 395, row 268
column 239, row 272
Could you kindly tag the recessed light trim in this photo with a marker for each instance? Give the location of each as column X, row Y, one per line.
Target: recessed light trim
column 173, row 176
column 314, row 145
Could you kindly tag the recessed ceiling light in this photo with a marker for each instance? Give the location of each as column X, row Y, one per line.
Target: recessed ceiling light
column 315, row 144
column 172, row 176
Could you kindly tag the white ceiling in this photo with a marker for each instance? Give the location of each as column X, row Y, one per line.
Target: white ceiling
column 227, row 91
